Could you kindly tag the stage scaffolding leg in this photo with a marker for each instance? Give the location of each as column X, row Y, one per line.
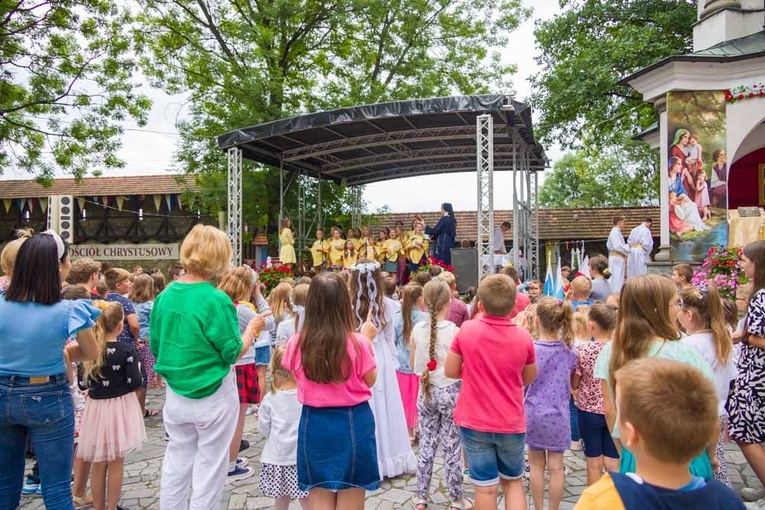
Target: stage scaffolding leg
column 517, row 221
column 535, row 259
column 234, row 177
column 485, row 199
column 301, row 215
column 356, row 211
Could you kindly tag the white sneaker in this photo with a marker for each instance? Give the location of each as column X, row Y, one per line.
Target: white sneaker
column 253, row 409
column 242, row 462
column 576, row 446
column 752, row 494
column 756, row 505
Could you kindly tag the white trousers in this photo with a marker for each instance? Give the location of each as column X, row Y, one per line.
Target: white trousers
column 196, row 457
column 616, row 266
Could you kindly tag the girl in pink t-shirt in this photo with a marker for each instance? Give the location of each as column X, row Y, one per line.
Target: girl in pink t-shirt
column 599, row 448
column 334, row 369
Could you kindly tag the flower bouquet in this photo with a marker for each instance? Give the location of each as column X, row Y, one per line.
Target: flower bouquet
column 272, row 274
column 721, row 267
column 430, row 262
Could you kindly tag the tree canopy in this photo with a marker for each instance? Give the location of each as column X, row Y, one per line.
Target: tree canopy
column 246, row 62
column 65, row 86
column 585, row 51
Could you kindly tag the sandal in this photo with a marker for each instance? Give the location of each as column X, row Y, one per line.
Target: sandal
column 419, row 503
column 464, row 504
column 82, row 501
column 148, row 413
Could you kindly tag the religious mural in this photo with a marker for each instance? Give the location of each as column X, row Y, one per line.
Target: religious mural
column 698, row 173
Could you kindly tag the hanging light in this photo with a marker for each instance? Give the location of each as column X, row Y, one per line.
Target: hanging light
column 199, row 213
column 26, row 215
column 84, row 214
column 140, row 214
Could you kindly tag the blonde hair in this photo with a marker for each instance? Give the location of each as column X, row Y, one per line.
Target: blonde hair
column 237, row 283
column 672, row 405
column 279, row 301
column 277, row 369
column 143, row 289
column 603, row 315
column 556, row 316
column 438, row 296
column 299, row 297
column 206, row 250
column 496, row 293
column 448, row 278
column 643, row 317
column 111, row 317
column 11, row 250
column 581, row 286
column 707, row 306
column 580, row 325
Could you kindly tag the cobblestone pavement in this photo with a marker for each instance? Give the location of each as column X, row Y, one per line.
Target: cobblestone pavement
column 143, row 468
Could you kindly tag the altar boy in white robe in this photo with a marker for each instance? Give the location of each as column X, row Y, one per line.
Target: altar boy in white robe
column 640, row 242
column 617, row 254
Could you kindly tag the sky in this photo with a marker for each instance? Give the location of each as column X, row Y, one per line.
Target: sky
column 149, row 150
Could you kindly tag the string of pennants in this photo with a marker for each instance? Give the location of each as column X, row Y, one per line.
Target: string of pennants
column 30, row 204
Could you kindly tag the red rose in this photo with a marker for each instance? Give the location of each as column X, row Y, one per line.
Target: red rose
column 432, row 365
column 741, row 96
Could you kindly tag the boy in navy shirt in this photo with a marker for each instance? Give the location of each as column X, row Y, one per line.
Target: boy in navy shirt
column 667, row 413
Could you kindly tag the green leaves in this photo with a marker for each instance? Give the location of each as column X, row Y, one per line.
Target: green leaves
column 65, row 83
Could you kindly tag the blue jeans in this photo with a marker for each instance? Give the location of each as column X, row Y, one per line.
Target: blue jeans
column 44, row 412
column 491, row 456
column 573, row 419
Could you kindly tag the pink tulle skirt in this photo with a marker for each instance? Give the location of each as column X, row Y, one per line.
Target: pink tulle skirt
column 409, row 385
column 111, row 428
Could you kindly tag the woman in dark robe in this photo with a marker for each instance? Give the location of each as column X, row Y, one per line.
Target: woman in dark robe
column 445, row 233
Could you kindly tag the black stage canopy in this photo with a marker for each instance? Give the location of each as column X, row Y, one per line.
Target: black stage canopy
column 384, row 141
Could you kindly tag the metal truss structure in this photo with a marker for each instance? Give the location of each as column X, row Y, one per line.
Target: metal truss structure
column 234, row 179
column 373, row 143
column 485, row 200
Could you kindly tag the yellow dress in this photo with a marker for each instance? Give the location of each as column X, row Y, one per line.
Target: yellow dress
column 349, row 259
column 336, row 247
column 319, row 252
column 372, row 252
column 287, row 250
column 393, row 248
column 413, row 252
column 358, row 243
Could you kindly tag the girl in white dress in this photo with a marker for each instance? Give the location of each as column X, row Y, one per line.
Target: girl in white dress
column 394, row 452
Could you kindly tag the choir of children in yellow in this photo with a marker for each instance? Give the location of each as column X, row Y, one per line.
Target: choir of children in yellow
column 390, row 247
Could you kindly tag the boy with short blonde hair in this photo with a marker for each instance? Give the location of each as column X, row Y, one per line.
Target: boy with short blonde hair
column 667, row 412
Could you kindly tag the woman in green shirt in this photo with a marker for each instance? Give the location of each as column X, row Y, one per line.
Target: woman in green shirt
column 195, row 339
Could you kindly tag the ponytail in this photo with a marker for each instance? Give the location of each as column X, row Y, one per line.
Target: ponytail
column 111, row 316
column 557, row 317
column 437, row 297
column 706, row 303
column 425, row 377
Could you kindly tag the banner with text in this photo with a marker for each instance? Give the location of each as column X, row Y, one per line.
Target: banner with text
column 124, row 251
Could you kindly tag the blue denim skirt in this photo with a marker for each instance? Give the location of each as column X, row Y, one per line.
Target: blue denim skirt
column 336, row 448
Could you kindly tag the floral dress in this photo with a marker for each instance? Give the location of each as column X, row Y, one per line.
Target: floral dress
column 746, row 402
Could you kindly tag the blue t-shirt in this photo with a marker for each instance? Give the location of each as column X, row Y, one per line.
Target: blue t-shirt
column 33, row 335
column 143, row 313
column 126, row 337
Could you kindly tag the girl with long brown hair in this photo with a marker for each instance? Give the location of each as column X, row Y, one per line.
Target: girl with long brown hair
column 408, row 382
column 703, row 317
column 645, row 327
column 112, row 425
column 335, row 370
column 394, row 452
column 430, row 343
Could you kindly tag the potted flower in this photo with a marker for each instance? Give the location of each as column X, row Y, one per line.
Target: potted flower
column 723, row 268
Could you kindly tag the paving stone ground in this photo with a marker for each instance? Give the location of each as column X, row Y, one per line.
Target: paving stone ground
column 143, row 469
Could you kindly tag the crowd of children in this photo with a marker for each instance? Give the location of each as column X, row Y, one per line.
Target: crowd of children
column 362, row 369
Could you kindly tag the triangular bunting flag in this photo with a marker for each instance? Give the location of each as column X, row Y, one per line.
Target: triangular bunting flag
column 120, row 202
column 31, row 205
column 157, row 201
column 20, row 204
column 180, row 205
column 8, row 202
column 169, row 202
column 44, row 204
column 81, row 202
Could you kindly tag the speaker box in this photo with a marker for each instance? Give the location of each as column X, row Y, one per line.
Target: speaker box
column 465, row 262
column 61, row 216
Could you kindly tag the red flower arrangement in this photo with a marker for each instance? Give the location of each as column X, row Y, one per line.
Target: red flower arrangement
column 721, row 267
column 272, row 275
column 744, row 92
column 431, row 261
